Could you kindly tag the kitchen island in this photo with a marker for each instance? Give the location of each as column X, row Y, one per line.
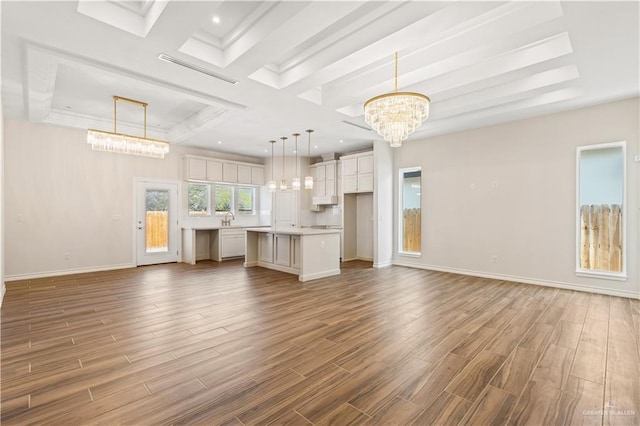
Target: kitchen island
column 217, row 242
column 308, row 253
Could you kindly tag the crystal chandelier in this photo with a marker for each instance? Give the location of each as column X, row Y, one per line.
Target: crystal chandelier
column 398, row 114
column 127, row 144
column 295, row 182
column 308, row 180
column 283, row 181
column 272, row 183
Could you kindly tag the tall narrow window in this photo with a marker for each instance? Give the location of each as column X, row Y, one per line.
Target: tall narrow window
column 198, row 199
column 600, row 206
column 410, row 224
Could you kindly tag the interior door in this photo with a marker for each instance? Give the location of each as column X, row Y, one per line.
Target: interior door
column 285, row 208
column 156, row 223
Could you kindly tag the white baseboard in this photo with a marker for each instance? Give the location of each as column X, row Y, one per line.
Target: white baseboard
column 318, row 275
column 546, row 283
column 18, row 277
column 382, row 264
column 3, row 290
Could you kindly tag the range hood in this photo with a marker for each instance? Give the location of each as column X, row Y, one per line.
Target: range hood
column 324, row 200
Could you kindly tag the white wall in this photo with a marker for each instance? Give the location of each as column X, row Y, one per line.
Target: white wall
column 364, row 226
column 601, row 176
column 509, row 191
column 2, row 228
column 62, row 197
column 382, row 204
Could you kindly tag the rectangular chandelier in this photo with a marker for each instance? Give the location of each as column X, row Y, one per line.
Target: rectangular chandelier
column 127, row 144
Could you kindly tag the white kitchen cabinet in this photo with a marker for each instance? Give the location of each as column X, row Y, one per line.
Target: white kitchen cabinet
column 229, row 172
column 295, row 251
column 205, row 169
column 282, row 246
column 244, row 174
column 196, row 169
column 265, row 248
column 214, row 171
column 232, row 242
column 357, row 173
column 324, row 178
column 349, row 166
column 257, row 175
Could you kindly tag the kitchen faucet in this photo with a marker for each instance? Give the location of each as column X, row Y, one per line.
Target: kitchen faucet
column 226, row 221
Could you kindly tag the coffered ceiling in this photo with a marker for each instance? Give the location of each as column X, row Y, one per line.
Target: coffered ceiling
column 313, row 64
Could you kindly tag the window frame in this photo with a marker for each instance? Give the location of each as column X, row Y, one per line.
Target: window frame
column 595, row 273
column 400, row 221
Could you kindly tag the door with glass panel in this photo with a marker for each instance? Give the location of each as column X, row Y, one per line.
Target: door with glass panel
column 156, row 223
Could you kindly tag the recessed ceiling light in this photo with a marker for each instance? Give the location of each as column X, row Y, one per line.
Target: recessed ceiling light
column 315, row 146
column 215, row 19
column 341, row 141
column 219, row 141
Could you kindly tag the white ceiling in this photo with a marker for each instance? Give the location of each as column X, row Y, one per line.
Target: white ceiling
column 303, row 65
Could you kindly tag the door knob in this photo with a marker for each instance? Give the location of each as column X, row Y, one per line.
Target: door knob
column 140, row 227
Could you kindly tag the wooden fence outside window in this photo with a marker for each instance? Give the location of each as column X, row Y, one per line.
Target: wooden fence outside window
column 601, row 237
column 411, row 219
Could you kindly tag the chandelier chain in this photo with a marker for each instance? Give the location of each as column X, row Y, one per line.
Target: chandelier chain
column 396, row 71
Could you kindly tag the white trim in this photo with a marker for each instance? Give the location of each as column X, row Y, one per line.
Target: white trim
column 2, row 292
column 382, row 264
column 318, row 275
column 524, row 280
column 400, row 209
column 281, row 268
column 588, row 273
column 58, row 273
column 410, row 254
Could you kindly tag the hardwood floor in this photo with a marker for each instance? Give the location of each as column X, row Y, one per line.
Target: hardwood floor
column 220, row 344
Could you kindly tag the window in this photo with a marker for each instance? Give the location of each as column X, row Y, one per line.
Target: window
column 198, row 200
column 245, row 197
column 410, row 228
column 600, row 210
column 236, row 199
column 223, row 198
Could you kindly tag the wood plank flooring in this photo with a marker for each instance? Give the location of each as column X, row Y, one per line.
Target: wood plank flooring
column 216, row 343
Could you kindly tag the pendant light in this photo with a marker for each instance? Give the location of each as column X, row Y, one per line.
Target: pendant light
column 283, row 181
column 308, row 180
column 295, row 182
column 127, row 144
column 272, row 183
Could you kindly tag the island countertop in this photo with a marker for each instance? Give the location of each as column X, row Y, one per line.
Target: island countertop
column 218, row 227
column 295, row 231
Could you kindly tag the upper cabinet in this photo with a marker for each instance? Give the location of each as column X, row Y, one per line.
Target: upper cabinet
column 357, row 173
column 324, row 178
column 214, row 170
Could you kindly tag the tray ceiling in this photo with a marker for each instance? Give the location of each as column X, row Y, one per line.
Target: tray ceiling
column 312, row 64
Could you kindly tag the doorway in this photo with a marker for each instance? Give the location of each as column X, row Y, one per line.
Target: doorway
column 156, row 230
